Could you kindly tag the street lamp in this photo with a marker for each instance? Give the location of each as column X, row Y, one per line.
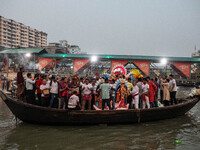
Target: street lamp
column 163, row 61
column 93, row 60
column 28, row 54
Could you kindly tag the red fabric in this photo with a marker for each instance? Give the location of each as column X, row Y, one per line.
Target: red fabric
column 86, row 97
column 39, row 82
column 152, row 90
column 143, row 97
column 133, row 96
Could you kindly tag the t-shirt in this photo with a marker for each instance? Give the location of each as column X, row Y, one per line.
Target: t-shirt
column 171, row 82
column 145, row 88
column 87, row 88
column 39, row 82
column 105, row 90
column 42, row 87
column 54, row 87
column 130, row 86
column 73, row 101
column 135, row 90
column 162, row 81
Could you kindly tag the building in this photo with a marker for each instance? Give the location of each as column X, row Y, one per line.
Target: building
column 61, row 47
column 74, row 49
column 17, row 35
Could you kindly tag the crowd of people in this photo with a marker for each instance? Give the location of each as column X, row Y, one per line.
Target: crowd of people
column 84, row 93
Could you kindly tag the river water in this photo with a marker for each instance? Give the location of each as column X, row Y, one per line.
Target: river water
column 151, row 135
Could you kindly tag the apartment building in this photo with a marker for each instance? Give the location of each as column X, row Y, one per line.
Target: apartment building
column 14, row 34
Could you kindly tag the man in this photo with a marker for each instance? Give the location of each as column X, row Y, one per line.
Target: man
column 45, row 90
column 93, row 93
column 145, row 94
column 20, row 83
column 87, row 92
column 105, row 93
column 129, row 98
column 161, row 80
column 38, row 83
column 30, row 93
column 139, row 84
column 172, row 89
column 73, row 103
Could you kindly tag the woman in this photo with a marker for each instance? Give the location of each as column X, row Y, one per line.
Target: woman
column 166, row 94
column 54, row 86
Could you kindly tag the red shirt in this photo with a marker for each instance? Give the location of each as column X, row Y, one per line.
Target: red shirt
column 39, row 82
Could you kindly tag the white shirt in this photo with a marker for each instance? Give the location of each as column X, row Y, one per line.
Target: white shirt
column 139, row 84
column 171, row 82
column 135, row 90
column 87, row 88
column 145, row 88
column 29, row 84
column 54, row 87
column 73, row 101
column 162, row 81
column 42, row 87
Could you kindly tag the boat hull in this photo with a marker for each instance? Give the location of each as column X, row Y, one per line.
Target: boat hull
column 42, row 115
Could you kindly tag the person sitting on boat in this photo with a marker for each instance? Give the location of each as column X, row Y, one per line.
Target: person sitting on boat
column 166, row 94
column 145, row 94
column 87, row 92
column 45, row 90
column 73, row 103
column 30, row 93
column 135, row 95
column 152, row 90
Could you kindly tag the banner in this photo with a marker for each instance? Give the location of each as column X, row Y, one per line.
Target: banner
column 143, row 66
column 43, row 62
column 183, row 67
column 79, row 63
column 115, row 63
column 6, row 64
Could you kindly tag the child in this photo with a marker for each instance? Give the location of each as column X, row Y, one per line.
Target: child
column 73, row 103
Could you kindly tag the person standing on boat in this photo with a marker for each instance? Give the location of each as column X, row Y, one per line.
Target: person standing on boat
column 161, row 80
column 64, row 93
column 93, row 93
column 87, row 94
column 152, row 90
column 166, row 95
column 145, row 94
column 129, row 97
column 135, row 95
column 155, row 103
column 30, row 93
column 139, row 84
column 44, row 87
column 20, row 83
column 38, row 83
column 173, row 89
column 105, row 93
column 54, row 88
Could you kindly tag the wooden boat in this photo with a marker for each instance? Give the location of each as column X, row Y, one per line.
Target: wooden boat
column 51, row 116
